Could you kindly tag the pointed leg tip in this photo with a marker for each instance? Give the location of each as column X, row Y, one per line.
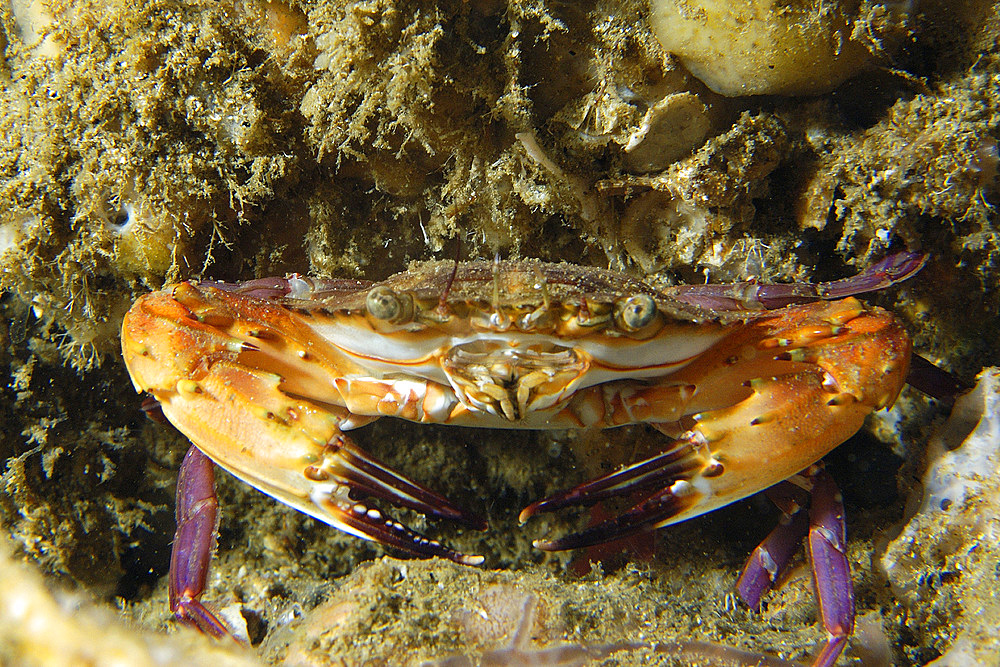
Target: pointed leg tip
column 526, row 514
column 470, row 559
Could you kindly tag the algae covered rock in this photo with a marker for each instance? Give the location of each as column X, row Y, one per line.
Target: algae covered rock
column 764, row 47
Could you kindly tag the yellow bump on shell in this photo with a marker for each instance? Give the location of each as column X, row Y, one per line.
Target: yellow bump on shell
column 799, row 355
column 810, row 334
column 261, row 412
column 763, row 418
column 188, row 388
column 840, row 399
column 844, row 314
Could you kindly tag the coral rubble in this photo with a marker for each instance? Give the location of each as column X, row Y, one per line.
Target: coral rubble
column 943, row 565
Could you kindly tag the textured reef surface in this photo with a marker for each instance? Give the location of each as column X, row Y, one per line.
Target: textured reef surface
column 146, row 142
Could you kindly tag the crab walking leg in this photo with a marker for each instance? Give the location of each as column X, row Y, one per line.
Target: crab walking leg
column 769, row 558
column 831, row 571
column 194, row 541
column 827, row 537
column 890, row 271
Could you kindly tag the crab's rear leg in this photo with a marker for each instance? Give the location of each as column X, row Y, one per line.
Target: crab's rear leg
column 830, row 568
column 831, row 571
column 194, row 541
column 770, row 557
column 752, row 295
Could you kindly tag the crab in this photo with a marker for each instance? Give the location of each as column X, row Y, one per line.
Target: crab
column 751, row 385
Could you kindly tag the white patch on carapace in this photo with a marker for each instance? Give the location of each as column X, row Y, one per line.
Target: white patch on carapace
column 610, row 358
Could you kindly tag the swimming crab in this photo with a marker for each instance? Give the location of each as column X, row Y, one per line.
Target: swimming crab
column 750, row 383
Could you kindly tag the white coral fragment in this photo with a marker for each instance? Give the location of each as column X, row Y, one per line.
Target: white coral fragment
column 944, row 563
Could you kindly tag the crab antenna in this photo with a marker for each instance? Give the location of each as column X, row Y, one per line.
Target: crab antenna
column 442, row 307
column 498, row 318
column 543, row 285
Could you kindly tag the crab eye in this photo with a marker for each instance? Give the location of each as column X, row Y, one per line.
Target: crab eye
column 385, row 304
column 636, row 312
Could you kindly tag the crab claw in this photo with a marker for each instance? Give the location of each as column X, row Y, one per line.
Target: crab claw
column 669, row 472
column 369, row 523
column 362, row 472
column 345, row 469
column 262, row 406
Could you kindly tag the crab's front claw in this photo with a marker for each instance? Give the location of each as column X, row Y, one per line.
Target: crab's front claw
column 669, row 473
column 345, row 470
column 262, row 406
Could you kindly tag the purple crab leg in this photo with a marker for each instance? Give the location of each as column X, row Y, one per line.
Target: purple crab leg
column 657, row 471
column 769, row 558
column 294, row 287
column 757, row 296
column 935, row 382
column 831, row 571
column 194, row 541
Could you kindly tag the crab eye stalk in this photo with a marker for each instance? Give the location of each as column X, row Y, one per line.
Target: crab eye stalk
column 636, row 312
column 383, row 303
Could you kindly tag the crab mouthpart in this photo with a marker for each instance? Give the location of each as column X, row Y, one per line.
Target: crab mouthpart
column 511, row 381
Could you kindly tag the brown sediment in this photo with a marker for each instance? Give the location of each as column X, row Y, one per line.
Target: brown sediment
column 143, row 143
